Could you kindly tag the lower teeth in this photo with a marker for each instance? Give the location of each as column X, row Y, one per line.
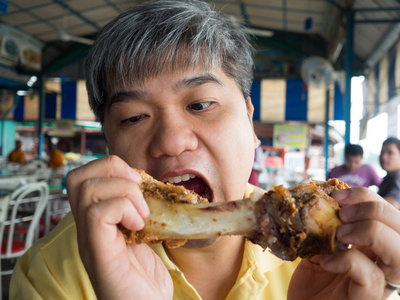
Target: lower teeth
column 207, row 195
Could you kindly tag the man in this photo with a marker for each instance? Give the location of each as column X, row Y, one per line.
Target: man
column 390, row 162
column 17, row 155
column 353, row 171
column 56, row 157
column 170, row 81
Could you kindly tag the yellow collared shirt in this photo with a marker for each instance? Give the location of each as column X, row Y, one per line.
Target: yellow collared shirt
column 261, row 276
column 52, row 269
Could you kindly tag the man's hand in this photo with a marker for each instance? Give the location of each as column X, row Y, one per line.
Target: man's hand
column 393, row 202
column 103, row 194
column 372, row 226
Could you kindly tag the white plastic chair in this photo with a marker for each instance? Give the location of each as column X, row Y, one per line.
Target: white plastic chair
column 14, row 167
column 14, row 246
column 43, row 174
column 35, row 165
column 13, row 182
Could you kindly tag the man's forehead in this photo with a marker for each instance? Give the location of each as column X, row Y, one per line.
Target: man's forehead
column 391, row 146
column 182, row 76
column 353, row 157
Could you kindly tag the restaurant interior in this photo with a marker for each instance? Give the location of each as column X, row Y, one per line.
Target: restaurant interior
column 308, row 106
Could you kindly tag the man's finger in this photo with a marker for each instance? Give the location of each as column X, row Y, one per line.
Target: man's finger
column 367, row 279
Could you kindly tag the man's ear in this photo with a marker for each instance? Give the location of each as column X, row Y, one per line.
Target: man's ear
column 250, row 112
column 250, row 108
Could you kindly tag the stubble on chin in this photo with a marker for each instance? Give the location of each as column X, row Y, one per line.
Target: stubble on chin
column 200, row 243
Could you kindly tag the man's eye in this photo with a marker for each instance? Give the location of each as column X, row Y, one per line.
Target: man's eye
column 199, row 106
column 133, row 120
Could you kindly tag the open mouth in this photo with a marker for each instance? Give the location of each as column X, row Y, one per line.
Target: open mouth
column 194, row 183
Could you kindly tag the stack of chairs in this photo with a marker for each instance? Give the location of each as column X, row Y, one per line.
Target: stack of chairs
column 18, row 231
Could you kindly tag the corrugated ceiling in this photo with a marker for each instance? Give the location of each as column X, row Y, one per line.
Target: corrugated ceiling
column 301, row 28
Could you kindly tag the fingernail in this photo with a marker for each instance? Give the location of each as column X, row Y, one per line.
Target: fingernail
column 340, row 195
column 344, row 230
column 347, row 213
column 145, row 209
column 135, row 176
column 140, row 223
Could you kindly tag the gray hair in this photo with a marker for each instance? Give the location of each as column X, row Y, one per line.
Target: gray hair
column 161, row 36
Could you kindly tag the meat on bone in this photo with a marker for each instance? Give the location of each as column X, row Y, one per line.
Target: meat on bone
column 300, row 221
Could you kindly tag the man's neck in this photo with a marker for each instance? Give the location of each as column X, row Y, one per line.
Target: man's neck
column 211, row 270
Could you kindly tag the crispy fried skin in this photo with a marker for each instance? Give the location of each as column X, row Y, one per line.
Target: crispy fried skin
column 299, row 221
column 154, row 189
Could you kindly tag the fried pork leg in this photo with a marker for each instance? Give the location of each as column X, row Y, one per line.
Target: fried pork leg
column 296, row 222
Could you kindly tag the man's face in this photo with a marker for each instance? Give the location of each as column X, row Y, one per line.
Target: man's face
column 390, row 157
column 185, row 123
column 353, row 162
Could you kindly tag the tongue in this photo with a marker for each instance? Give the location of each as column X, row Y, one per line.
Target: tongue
column 195, row 184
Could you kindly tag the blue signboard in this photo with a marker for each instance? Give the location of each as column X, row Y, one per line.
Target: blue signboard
column 3, row 7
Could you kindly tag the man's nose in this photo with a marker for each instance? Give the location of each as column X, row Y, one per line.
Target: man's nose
column 172, row 135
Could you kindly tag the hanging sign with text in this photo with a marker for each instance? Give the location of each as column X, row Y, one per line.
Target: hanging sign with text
column 292, row 136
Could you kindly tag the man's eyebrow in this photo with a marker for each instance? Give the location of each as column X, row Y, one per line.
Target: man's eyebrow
column 185, row 83
column 196, row 81
column 125, row 96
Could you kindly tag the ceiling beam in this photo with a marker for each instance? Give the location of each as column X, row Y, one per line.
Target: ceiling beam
column 79, row 52
column 388, row 40
column 376, row 9
column 334, row 3
column 114, row 6
column 28, row 12
column 277, row 8
column 244, row 14
column 79, row 15
column 284, row 15
column 364, row 21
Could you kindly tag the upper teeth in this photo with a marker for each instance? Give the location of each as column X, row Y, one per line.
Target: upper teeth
column 177, row 179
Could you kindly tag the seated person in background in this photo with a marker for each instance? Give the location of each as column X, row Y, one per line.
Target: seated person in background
column 390, row 162
column 17, row 155
column 353, row 171
column 56, row 157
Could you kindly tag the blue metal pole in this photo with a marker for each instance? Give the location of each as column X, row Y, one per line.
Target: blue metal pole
column 326, row 142
column 244, row 13
column 3, row 123
column 349, row 73
column 41, row 115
